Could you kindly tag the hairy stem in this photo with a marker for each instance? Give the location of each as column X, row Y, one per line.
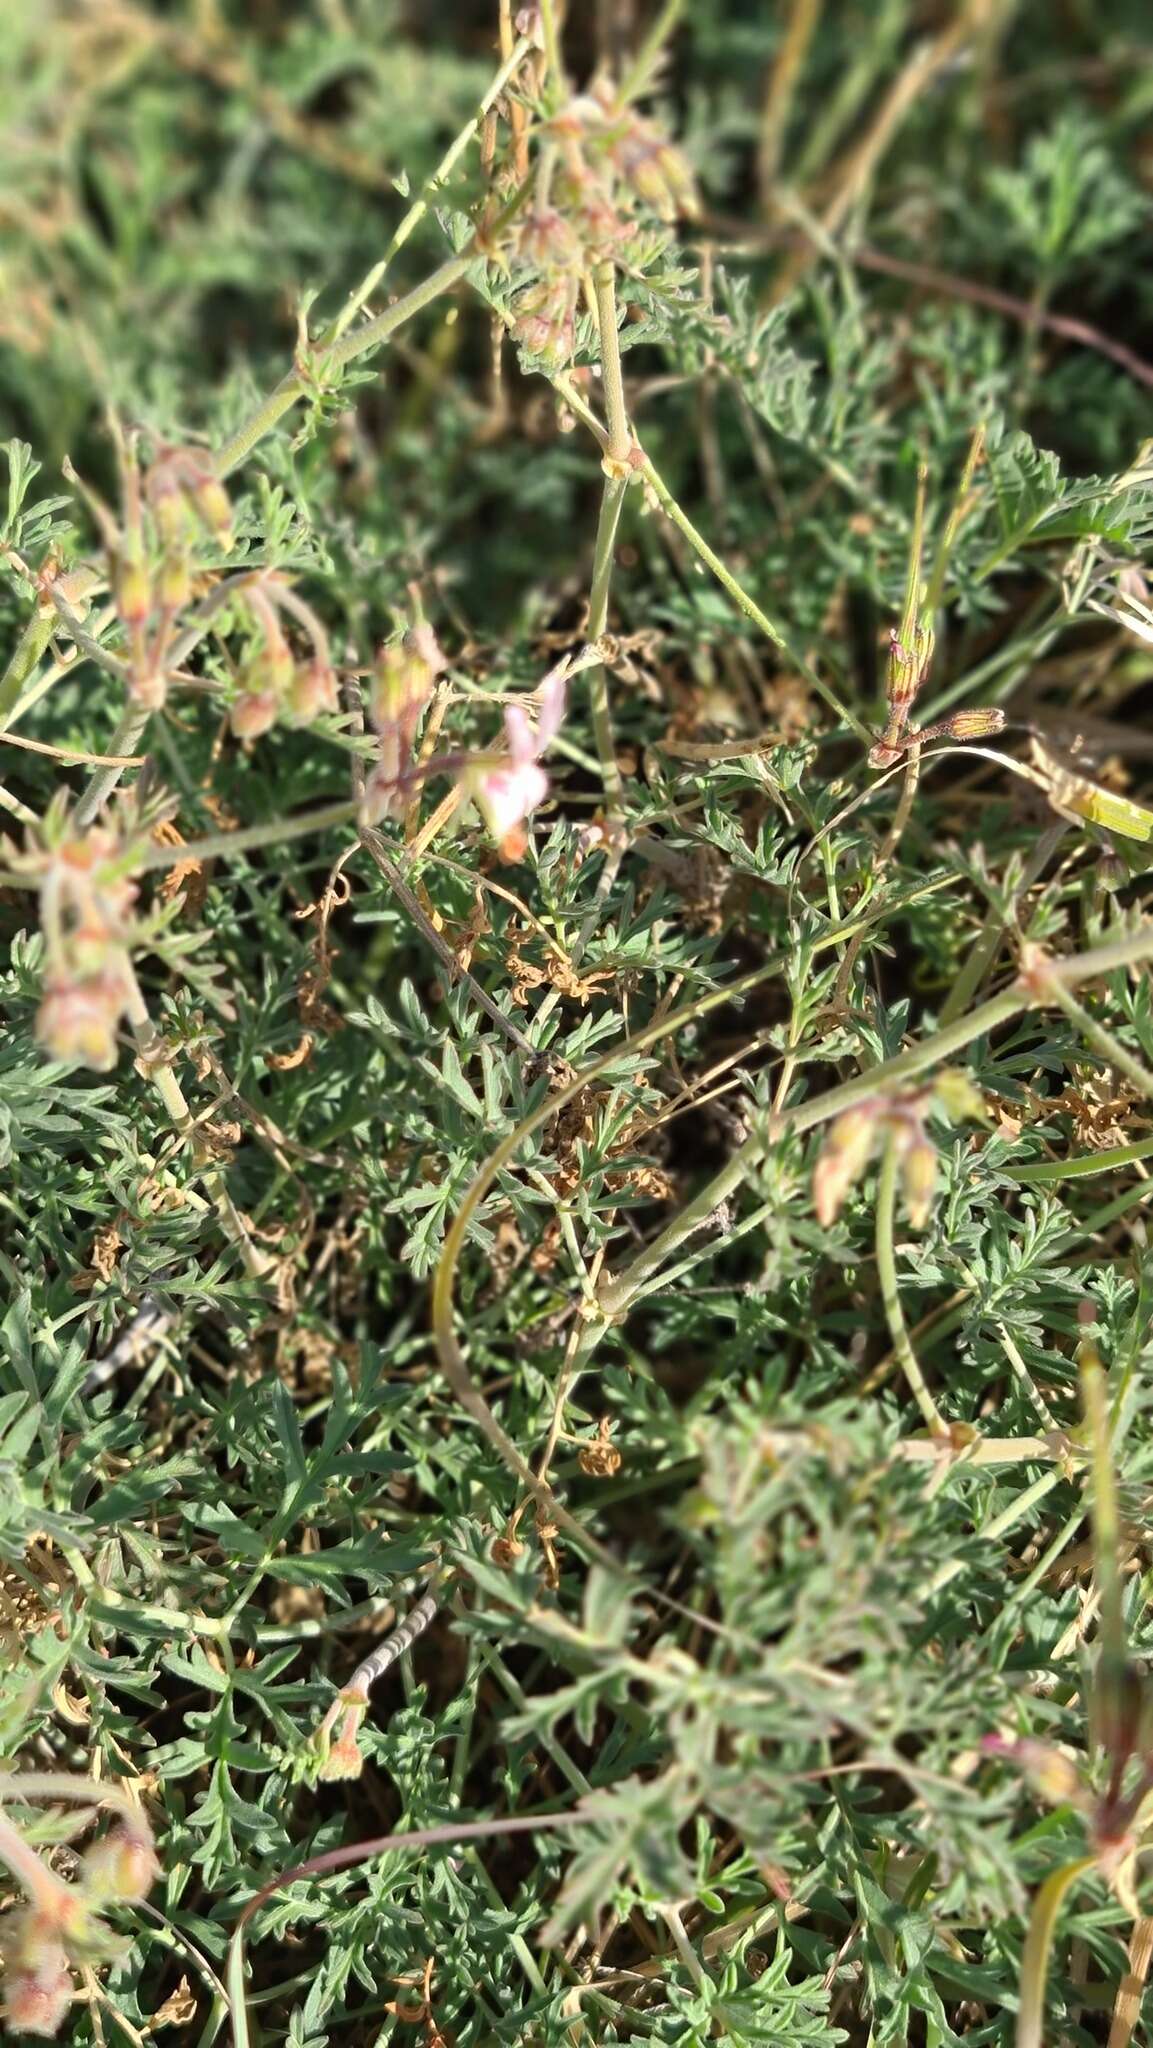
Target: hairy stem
column 32, row 644
column 347, row 349
column 891, row 1293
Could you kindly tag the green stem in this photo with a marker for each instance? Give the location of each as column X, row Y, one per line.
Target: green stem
column 640, row 71
column 278, row 832
column 891, row 1293
column 612, row 376
column 1000, row 1525
column 47, row 1892
column 751, row 609
column 1103, row 1041
column 32, row 644
column 1038, row 1944
column 1106, row 1526
column 612, row 501
column 987, row 945
column 101, row 785
column 1081, row 1166
column 548, row 22
column 420, row 204
column 292, row 387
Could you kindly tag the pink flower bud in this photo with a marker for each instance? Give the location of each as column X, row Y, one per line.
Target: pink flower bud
column 253, row 713
column 545, row 320
column 547, row 241
column 37, row 1984
column 37, row 2001
column 505, row 797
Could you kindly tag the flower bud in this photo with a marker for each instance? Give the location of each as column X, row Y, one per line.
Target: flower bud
column 959, row 1097
column 174, row 582
column 343, row 1759
column 657, row 172
column 1053, row 1774
column 133, row 591
column 547, row 241
column 168, row 508
column 545, row 320
column 919, row 1178
column 213, row 508
column 504, row 797
column 843, row 1158
column 37, row 1996
column 406, row 670
column 311, row 691
column 253, row 713
column 122, row 1865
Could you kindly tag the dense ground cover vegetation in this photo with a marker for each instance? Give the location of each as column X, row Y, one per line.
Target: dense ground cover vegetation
column 574, row 679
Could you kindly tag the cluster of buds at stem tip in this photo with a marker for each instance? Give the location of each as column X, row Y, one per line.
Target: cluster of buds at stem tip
column 167, row 517
column 86, row 912
column 61, row 1926
column 899, row 1120
column 602, row 168
column 403, row 681
column 275, row 685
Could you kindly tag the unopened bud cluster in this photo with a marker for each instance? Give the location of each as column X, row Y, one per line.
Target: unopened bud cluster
column 86, row 911
column 403, row 681
column 603, row 167
column 855, row 1137
column 60, row 1927
column 275, row 685
column 167, row 516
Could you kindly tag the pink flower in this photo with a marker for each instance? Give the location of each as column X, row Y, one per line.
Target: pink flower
column 506, row 794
